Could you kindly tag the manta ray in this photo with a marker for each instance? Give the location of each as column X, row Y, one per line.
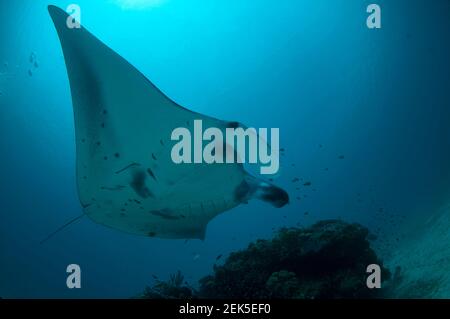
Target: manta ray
column 125, row 177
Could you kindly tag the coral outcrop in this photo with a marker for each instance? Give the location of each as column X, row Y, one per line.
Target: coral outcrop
column 327, row 260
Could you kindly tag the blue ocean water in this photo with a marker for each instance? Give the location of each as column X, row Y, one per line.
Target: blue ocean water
column 379, row 98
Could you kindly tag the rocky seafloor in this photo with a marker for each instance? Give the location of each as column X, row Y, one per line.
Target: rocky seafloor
column 327, row 260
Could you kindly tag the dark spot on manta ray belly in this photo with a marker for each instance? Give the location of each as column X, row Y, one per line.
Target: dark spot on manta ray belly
column 150, row 172
column 127, row 167
column 139, row 186
column 164, row 214
column 241, row 192
column 113, row 188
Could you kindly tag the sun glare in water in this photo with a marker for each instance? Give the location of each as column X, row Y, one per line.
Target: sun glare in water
column 139, row 4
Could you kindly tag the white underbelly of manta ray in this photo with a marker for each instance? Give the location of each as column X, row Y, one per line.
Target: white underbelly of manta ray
column 123, row 123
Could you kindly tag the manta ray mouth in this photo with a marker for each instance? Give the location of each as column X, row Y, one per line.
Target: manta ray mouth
column 252, row 187
column 272, row 194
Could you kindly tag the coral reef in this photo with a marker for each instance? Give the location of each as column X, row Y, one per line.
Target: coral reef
column 174, row 288
column 327, row 260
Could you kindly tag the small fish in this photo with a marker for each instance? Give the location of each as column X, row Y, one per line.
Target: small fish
column 341, row 157
column 307, row 184
column 153, row 156
column 294, row 180
column 32, row 57
column 218, row 257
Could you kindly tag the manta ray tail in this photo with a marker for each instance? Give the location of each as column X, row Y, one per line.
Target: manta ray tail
column 61, row 228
